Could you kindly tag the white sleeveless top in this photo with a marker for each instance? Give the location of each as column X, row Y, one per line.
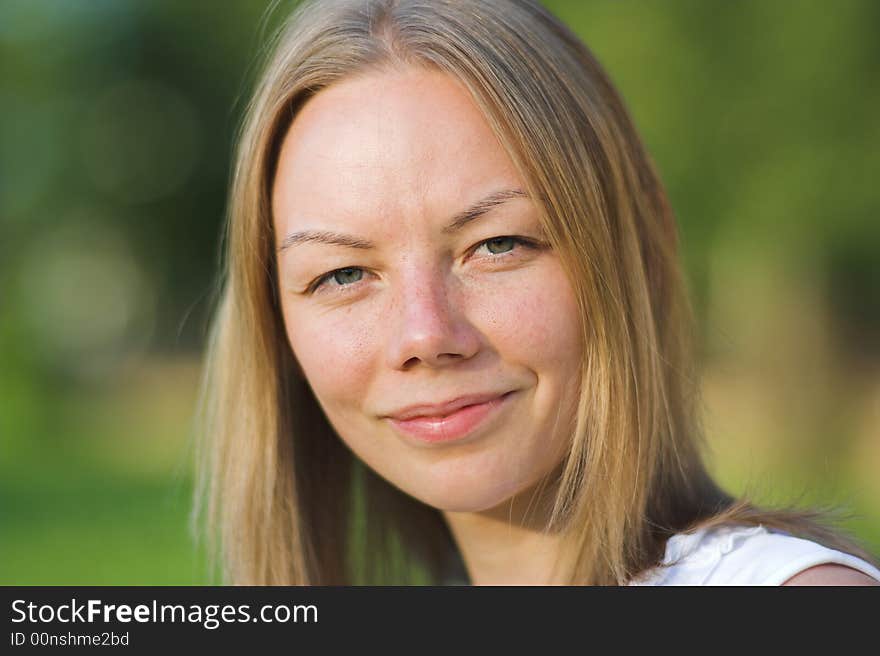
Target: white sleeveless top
column 742, row 555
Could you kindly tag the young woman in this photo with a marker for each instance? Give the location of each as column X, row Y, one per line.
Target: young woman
column 453, row 326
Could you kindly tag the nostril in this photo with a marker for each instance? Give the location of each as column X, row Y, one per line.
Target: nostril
column 440, row 358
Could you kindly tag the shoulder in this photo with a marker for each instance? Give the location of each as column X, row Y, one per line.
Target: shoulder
column 831, row 575
column 754, row 555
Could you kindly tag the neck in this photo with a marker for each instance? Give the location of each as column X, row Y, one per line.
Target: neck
column 508, row 544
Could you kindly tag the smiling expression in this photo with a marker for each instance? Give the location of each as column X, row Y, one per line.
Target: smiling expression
column 413, row 271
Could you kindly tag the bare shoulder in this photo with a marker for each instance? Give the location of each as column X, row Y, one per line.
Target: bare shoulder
column 830, row 574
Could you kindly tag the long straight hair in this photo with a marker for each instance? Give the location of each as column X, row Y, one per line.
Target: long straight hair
column 284, row 501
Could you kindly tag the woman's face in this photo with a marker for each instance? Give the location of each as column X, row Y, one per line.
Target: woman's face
column 413, row 271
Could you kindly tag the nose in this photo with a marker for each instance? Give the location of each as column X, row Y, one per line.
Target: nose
column 428, row 323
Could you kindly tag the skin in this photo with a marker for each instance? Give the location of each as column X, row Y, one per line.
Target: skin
column 831, row 575
column 424, row 316
column 391, row 157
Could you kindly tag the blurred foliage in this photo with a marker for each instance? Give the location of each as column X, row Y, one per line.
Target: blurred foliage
column 117, row 120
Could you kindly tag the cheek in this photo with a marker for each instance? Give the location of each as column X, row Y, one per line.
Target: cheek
column 533, row 318
column 335, row 349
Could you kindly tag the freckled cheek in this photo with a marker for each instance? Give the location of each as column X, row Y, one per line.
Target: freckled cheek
column 534, row 319
column 336, row 351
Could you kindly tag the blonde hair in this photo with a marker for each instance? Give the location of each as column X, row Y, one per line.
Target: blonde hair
column 284, row 501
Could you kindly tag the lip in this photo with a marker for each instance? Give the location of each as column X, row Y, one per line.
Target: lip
column 450, row 421
column 437, row 410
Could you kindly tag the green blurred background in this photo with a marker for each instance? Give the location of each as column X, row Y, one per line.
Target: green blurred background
column 116, row 124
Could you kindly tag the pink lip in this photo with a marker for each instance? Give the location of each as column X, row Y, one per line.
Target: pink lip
column 454, row 426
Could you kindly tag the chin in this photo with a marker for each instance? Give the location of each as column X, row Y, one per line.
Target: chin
column 462, row 494
column 461, row 503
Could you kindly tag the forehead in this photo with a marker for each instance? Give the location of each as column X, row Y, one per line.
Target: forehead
column 388, row 141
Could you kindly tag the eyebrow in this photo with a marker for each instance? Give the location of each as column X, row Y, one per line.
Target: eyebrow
column 460, row 220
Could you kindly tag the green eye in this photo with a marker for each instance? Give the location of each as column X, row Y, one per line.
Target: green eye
column 500, row 245
column 341, row 279
column 348, row 276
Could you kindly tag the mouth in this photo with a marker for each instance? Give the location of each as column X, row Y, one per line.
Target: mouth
column 454, row 426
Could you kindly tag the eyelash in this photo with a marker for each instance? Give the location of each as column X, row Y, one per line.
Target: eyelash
column 342, row 289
